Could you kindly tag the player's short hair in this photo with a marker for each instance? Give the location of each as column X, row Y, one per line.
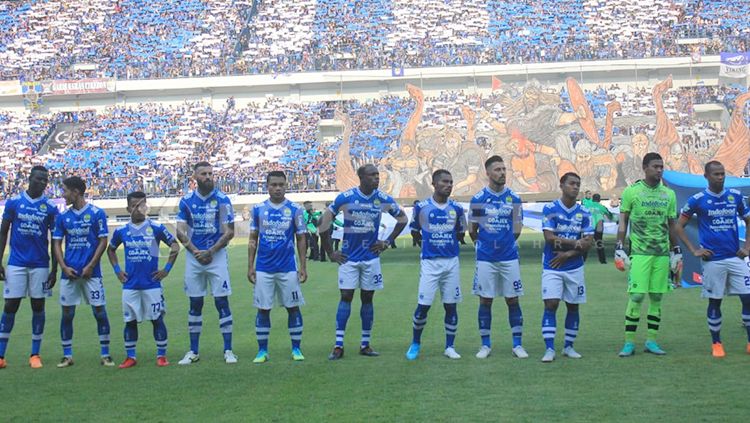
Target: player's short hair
column 361, row 169
column 275, row 173
column 596, row 197
column 76, row 183
column 709, row 164
column 491, row 160
column 438, row 173
column 570, row 175
column 38, row 168
column 307, row 202
column 649, row 157
column 136, row 195
column 201, row 164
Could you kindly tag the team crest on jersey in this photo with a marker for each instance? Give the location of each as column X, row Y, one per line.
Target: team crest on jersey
column 22, row 206
column 86, row 217
column 452, row 213
column 149, row 231
column 730, row 198
column 287, row 212
column 376, row 203
column 43, row 208
column 213, row 203
column 579, row 216
column 508, row 200
column 709, row 201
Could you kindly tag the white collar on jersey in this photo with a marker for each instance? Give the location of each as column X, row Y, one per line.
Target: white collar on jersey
column 83, row 209
column 273, row 205
column 562, row 206
column 198, row 194
column 713, row 194
column 491, row 191
column 375, row 191
column 140, row 225
column 32, row 200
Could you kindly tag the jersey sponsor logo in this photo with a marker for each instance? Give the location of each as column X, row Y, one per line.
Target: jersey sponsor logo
column 654, row 203
column 721, row 212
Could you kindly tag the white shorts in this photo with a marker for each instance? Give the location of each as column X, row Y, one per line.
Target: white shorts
column 91, row 290
column 498, row 279
column 142, row 304
column 216, row 273
column 567, row 285
column 443, row 274
column 365, row 275
column 279, row 288
column 730, row 276
column 21, row 282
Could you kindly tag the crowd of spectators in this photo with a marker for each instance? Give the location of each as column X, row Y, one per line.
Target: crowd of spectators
column 132, row 39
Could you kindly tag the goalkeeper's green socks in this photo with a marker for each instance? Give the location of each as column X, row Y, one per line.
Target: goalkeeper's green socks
column 632, row 316
column 654, row 316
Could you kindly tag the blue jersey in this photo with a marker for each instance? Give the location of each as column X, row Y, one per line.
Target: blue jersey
column 439, row 225
column 495, row 212
column 205, row 217
column 362, row 220
column 31, row 220
column 567, row 223
column 141, row 252
column 717, row 220
column 81, row 230
column 277, row 226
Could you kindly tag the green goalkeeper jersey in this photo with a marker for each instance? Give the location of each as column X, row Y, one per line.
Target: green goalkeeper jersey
column 649, row 208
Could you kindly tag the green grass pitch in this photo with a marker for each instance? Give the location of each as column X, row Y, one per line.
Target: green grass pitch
column 686, row 385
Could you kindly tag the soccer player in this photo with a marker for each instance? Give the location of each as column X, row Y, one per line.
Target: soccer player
column 205, row 225
column 359, row 258
column 724, row 269
column 84, row 228
column 435, row 225
column 142, row 295
column 29, row 217
column 568, row 234
column 649, row 209
column 274, row 226
column 495, row 223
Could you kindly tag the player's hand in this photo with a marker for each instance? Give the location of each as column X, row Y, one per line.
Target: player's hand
column 51, row 280
column 204, row 257
column 339, row 257
column 675, row 259
column 705, row 254
column 87, row 271
column 743, row 252
column 159, row 275
column 560, row 259
column 123, row 276
column 69, row 272
column 622, row 261
column 417, row 237
column 379, row 247
column 2, row 273
column 251, row 276
column 302, row 275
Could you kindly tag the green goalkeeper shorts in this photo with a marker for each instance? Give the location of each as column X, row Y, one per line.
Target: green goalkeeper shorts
column 648, row 274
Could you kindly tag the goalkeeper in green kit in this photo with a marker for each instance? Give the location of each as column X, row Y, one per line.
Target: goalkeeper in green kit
column 650, row 208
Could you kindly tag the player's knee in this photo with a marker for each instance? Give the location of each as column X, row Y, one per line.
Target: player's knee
column 133, row 323
column 12, row 304
column 745, row 299
column 511, row 301
column 551, row 304
column 637, row 298
column 291, row 310
column 68, row 313
column 571, row 307
column 421, row 311
column 366, row 296
column 347, row 295
column 37, row 305
column 222, row 303
column 485, row 301
column 196, row 305
column 100, row 313
column 654, row 298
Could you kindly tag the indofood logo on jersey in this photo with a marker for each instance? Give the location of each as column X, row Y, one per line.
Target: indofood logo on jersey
column 721, row 212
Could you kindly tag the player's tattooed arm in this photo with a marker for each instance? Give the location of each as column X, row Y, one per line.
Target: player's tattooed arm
column 182, row 235
column 4, row 228
column 227, row 233
column 252, row 249
column 302, row 255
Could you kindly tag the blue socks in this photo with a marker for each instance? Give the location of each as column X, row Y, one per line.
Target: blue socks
column 572, row 319
column 6, row 325
column 160, row 336
column 262, row 329
column 294, row 322
column 484, row 316
column 195, row 322
column 713, row 317
column 418, row 322
column 102, row 328
column 66, row 330
column 342, row 316
column 225, row 320
column 367, row 314
column 515, row 319
column 451, row 324
column 37, row 330
column 131, row 337
column 745, row 298
column 549, row 328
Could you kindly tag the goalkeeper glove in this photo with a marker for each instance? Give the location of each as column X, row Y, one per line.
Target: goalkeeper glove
column 622, row 261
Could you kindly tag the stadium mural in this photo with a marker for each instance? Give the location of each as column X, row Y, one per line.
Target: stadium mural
column 542, row 133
